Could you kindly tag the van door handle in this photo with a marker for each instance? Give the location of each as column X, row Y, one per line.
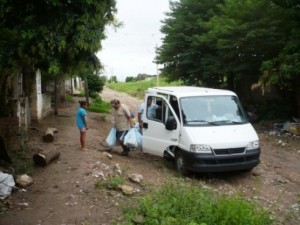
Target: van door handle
column 174, row 139
column 145, row 125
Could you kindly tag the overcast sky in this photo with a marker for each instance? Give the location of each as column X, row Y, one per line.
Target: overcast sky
column 131, row 49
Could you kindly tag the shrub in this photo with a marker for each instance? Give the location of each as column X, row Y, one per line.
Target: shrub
column 111, row 183
column 179, row 203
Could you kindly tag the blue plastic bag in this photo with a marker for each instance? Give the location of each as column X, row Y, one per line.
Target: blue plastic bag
column 111, row 139
column 133, row 139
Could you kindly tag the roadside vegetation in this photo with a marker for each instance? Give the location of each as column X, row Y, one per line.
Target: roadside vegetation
column 181, row 202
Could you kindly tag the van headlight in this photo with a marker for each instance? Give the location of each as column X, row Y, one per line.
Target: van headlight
column 252, row 145
column 200, row 148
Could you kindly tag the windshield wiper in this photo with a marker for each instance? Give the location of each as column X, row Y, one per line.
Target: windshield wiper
column 197, row 121
column 225, row 121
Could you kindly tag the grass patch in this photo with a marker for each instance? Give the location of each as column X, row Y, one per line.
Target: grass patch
column 110, row 183
column 22, row 164
column 70, row 98
column 3, row 207
column 137, row 88
column 181, row 203
column 99, row 106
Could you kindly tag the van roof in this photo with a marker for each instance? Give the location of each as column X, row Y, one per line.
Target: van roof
column 181, row 91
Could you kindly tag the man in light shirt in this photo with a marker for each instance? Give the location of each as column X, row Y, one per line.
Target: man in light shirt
column 123, row 122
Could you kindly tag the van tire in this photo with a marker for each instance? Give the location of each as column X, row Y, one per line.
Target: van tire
column 180, row 164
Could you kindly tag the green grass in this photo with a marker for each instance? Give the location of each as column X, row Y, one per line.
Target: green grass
column 137, row 88
column 69, row 98
column 22, row 164
column 110, row 183
column 182, row 203
column 99, row 106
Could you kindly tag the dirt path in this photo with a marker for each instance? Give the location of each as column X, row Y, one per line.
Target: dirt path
column 64, row 193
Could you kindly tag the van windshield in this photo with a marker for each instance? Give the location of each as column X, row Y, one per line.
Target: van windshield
column 212, row 110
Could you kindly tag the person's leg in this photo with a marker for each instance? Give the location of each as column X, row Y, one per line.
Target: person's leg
column 119, row 136
column 125, row 150
column 83, row 140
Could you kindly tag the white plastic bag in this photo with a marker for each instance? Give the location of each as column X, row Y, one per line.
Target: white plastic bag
column 111, row 139
column 133, row 138
column 6, row 185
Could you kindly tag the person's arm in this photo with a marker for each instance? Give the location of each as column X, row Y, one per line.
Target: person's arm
column 127, row 114
column 84, row 120
column 130, row 121
column 140, row 119
column 140, row 113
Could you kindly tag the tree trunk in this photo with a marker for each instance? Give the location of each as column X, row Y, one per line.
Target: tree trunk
column 71, row 85
column 86, row 90
column 55, row 96
column 44, row 158
column 49, row 134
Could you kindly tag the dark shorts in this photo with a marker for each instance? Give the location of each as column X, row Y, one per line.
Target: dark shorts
column 121, row 134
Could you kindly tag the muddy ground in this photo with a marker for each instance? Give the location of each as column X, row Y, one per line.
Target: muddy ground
column 64, row 193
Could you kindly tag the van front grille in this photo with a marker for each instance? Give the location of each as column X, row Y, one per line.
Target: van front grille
column 229, row 151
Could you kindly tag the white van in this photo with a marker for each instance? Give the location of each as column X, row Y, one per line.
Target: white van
column 203, row 129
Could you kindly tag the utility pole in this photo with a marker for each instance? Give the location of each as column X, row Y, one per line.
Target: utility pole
column 157, row 75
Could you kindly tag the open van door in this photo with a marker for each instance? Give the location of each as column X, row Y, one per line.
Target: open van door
column 161, row 127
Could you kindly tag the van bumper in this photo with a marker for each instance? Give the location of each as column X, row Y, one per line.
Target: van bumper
column 199, row 162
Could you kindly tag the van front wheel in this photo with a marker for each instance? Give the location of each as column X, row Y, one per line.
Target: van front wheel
column 180, row 164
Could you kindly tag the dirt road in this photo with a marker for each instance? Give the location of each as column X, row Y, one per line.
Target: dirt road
column 64, row 193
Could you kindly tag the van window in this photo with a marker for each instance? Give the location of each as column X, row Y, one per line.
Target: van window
column 175, row 106
column 160, row 110
column 212, row 110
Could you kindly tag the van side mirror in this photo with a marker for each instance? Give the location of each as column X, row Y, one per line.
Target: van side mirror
column 171, row 123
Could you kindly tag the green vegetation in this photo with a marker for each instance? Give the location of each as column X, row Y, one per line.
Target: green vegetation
column 95, row 84
column 69, row 98
column 182, row 203
column 137, row 88
column 110, row 183
column 235, row 44
column 22, row 164
column 99, row 106
column 3, row 207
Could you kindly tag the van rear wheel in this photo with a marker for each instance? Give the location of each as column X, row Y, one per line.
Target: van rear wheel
column 180, row 164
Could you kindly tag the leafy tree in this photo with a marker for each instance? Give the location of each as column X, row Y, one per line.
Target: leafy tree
column 246, row 34
column 181, row 53
column 284, row 69
column 129, row 79
column 95, row 83
column 57, row 36
column 113, row 79
column 234, row 44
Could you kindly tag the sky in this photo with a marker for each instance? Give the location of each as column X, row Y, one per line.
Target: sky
column 130, row 50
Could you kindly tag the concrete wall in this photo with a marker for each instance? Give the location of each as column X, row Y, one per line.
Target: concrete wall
column 40, row 103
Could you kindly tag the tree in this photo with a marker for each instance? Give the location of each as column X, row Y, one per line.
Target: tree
column 181, row 52
column 113, row 79
column 234, row 44
column 95, row 83
column 56, row 36
column 130, row 79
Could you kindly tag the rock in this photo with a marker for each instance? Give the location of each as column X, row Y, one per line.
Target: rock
column 293, row 128
column 139, row 219
column 137, row 178
column 127, row 190
column 107, row 155
column 24, row 180
column 117, row 169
